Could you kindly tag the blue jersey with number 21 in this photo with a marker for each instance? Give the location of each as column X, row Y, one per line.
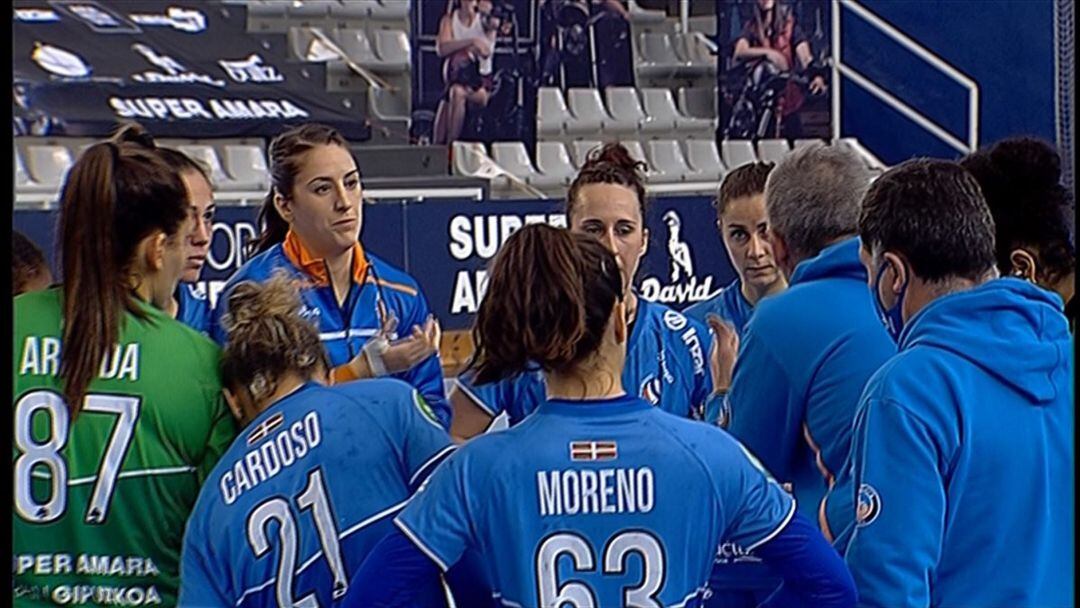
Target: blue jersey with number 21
column 304, row 493
column 613, row 503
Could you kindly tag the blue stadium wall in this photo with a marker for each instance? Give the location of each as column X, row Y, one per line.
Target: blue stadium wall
column 1006, row 46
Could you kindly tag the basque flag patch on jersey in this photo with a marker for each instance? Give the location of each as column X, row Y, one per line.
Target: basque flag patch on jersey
column 593, row 450
column 265, row 427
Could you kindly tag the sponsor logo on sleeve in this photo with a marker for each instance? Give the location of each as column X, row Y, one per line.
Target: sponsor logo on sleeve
column 681, row 286
column 425, row 409
column 182, row 19
column 868, row 506
column 251, row 69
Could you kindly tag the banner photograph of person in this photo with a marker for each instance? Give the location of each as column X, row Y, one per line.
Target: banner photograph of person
column 773, row 79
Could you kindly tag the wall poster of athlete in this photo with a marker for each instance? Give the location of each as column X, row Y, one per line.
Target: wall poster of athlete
column 773, row 77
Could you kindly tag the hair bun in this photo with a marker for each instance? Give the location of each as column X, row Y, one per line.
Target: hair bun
column 133, row 132
column 252, row 303
column 615, row 154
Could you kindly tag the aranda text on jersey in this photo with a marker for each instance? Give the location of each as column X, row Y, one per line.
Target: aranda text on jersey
column 41, row 357
column 603, row 491
column 268, row 459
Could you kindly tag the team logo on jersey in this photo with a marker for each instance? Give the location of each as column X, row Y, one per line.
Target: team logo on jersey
column 265, row 428
column 869, row 505
column 425, row 409
column 674, row 320
column 650, row 389
column 681, row 285
column 587, row 451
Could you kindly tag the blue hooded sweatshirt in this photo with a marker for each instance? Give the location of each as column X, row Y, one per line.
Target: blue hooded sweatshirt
column 963, row 457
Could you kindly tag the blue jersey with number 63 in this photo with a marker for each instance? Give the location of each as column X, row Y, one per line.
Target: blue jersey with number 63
column 606, row 502
column 304, row 493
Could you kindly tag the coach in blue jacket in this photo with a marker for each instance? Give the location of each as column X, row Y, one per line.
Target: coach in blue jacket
column 807, row 352
column 963, row 455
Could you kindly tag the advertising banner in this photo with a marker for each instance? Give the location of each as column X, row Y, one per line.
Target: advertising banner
column 447, row 245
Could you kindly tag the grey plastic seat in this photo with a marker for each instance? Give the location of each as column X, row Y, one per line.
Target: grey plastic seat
column 737, row 152
column 645, row 15
column 48, row 164
column 625, row 107
column 804, row 143
column 579, row 150
column 696, row 58
column 470, row 158
column 660, row 103
column 23, row 181
column 514, row 158
column 310, row 9
column 356, row 45
column 552, row 115
column 553, row 159
column 590, row 116
column 390, row 10
column 773, row 150
column 353, row 9
column 268, row 8
column 246, row 164
column 208, row 157
column 637, row 152
column 667, row 159
column 704, row 159
column 656, row 57
column 698, row 102
column 389, row 104
column 392, row 47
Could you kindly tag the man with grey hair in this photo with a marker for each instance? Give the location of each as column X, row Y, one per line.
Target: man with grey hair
column 807, row 352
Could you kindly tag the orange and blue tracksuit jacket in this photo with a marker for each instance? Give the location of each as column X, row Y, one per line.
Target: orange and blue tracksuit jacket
column 376, row 287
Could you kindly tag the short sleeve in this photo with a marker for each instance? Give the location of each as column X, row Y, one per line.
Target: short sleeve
column 438, row 517
column 425, row 442
column 757, row 508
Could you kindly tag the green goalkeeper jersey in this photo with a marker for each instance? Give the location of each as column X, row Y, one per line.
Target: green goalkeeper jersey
column 101, row 499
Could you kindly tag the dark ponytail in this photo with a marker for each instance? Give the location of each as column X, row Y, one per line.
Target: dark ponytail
column 611, row 164
column 117, row 193
column 284, row 155
column 549, row 299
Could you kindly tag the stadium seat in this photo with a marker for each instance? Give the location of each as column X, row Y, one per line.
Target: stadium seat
column 704, row 158
column 698, row 102
column 552, row 115
column 208, row 157
column 390, row 9
column 389, row 104
column 246, row 164
column 661, row 105
column 667, row 159
column 696, row 58
column 392, row 47
column 590, row 116
column 23, row 181
column 48, row 164
column 355, row 44
column 353, row 10
column 553, row 159
column 737, row 152
column 579, row 150
column 308, row 10
column 657, row 58
column 637, row 152
column 644, row 15
column 772, row 150
column 514, row 158
column 803, row 143
column 470, row 158
column 625, row 107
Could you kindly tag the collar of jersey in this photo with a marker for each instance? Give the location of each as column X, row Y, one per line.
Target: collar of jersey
column 315, row 268
column 595, row 407
column 277, row 405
